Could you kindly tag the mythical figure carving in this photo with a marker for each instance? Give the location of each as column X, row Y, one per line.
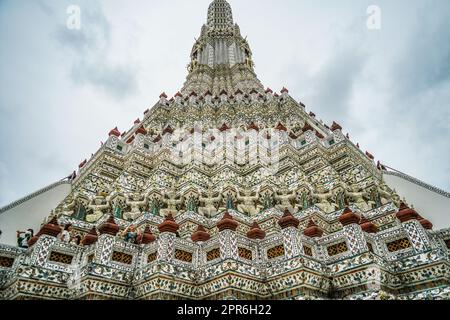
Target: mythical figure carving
column 98, row 204
column 66, row 234
column 248, row 202
column 323, row 196
column 396, row 198
column 285, row 198
column 172, row 200
column 135, row 202
column 357, row 195
column 209, row 209
column 384, row 194
column 70, row 204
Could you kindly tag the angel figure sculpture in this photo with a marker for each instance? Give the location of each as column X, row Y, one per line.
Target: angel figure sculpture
column 209, row 208
column 247, row 204
column 135, row 201
column 98, row 205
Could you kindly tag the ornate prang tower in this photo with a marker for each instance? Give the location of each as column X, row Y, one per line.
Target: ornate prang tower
column 221, row 60
column 229, row 191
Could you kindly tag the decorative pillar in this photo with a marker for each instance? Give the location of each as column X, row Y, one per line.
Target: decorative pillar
column 353, row 231
column 282, row 133
column 104, row 248
column 41, row 250
column 227, row 237
column 166, row 241
column 308, row 132
column 338, row 136
column 104, row 245
column 208, row 97
column 140, row 137
column 113, row 140
column 193, row 98
column 284, row 93
column 223, row 96
column 375, row 279
column 414, row 227
column 163, row 98
column 200, row 236
column 256, row 233
column 43, row 241
column 178, row 97
column 269, row 94
column 289, row 225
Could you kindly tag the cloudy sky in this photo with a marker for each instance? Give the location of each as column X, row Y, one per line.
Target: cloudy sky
column 62, row 90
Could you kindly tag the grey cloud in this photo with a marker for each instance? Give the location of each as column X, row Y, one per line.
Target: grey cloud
column 116, row 80
column 411, row 117
column 419, row 97
column 48, row 10
column 329, row 90
column 335, row 83
column 425, row 61
column 422, row 74
column 89, row 48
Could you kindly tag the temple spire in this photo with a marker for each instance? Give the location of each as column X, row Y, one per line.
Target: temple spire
column 220, row 15
column 221, row 59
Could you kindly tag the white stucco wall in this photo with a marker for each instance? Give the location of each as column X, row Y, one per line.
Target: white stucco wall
column 31, row 213
column 431, row 205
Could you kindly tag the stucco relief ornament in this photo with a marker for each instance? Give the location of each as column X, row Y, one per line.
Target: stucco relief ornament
column 74, row 280
column 267, row 197
column 303, row 200
column 98, row 204
column 135, row 201
column 380, row 295
column 209, row 209
column 286, row 198
column 323, row 196
column 191, row 201
column 69, row 204
column 172, row 200
column 248, row 201
column 228, row 202
column 384, row 193
column 357, row 195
